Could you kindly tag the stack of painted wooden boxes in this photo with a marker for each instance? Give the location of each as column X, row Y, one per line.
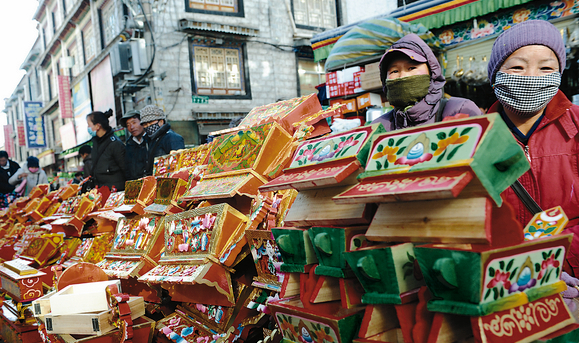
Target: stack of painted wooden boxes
column 471, row 276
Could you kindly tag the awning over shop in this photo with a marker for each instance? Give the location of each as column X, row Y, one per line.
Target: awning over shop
column 430, row 13
column 372, row 38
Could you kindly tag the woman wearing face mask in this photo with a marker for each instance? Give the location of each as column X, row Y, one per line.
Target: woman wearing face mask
column 525, row 72
column 28, row 176
column 413, row 82
column 108, row 152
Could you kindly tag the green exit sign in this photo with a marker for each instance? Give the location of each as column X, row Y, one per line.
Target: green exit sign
column 199, row 99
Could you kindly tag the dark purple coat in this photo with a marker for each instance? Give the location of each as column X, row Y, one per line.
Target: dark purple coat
column 424, row 112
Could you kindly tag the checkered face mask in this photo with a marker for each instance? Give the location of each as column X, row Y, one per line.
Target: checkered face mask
column 526, row 95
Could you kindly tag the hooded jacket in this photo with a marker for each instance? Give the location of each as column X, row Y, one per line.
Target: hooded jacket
column 32, row 179
column 553, row 151
column 162, row 143
column 424, row 111
column 108, row 158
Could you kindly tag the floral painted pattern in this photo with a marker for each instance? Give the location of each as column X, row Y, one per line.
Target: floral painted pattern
column 118, row 268
column 330, row 148
column 175, row 273
column 135, row 234
column 216, row 186
column 238, row 150
column 500, row 21
column 190, row 235
column 424, row 150
column 303, row 330
column 518, row 273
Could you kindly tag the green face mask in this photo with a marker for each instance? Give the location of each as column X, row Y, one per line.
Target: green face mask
column 407, row 91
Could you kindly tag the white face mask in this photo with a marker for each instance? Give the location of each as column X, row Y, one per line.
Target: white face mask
column 526, row 95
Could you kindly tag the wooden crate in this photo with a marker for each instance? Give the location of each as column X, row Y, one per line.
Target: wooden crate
column 138, row 195
column 83, row 297
column 142, row 332
column 475, row 281
column 12, row 331
column 90, row 323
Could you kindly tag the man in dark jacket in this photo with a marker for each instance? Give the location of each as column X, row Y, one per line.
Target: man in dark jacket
column 7, row 169
column 162, row 139
column 137, row 153
column 85, row 153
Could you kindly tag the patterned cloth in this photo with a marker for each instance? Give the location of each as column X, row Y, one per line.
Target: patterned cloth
column 526, row 94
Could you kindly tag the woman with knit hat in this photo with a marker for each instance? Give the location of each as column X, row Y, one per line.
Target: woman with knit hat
column 28, row 176
column 413, row 83
column 525, row 72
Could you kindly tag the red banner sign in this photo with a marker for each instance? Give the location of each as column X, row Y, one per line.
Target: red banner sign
column 64, row 97
column 8, row 141
column 21, row 133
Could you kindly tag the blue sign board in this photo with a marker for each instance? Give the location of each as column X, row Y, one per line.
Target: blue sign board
column 34, row 125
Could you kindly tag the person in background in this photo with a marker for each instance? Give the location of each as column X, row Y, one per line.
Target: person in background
column 7, row 169
column 85, row 154
column 162, row 139
column 108, row 153
column 28, row 176
column 525, row 72
column 78, row 176
column 137, row 145
column 413, row 81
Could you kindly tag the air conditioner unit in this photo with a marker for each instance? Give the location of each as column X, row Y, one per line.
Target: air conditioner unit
column 120, row 58
column 139, row 56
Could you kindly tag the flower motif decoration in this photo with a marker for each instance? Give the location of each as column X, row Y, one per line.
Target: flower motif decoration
column 521, row 15
column 549, row 262
column 500, row 277
column 454, row 139
column 389, row 152
column 285, row 324
column 446, row 36
column 417, row 153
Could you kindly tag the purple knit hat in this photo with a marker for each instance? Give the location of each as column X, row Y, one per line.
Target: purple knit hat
column 530, row 32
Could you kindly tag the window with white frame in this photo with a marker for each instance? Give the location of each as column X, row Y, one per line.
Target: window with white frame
column 226, row 7
column 110, row 22
column 88, row 42
column 219, row 70
column 315, row 13
column 74, row 54
column 55, row 18
column 68, row 5
column 310, row 74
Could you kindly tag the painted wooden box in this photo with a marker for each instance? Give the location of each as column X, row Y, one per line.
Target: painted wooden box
column 72, row 226
column 298, row 324
column 96, row 323
column 385, row 272
column 136, row 249
column 168, row 191
column 43, row 248
column 295, row 247
column 182, row 159
column 142, row 332
column 105, row 217
column 92, row 249
column 439, row 161
column 327, row 161
column 82, row 298
column 267, row 258
column 138, row 195
column 479, row 282
column 20, row 281
column 179, row 327
column 196, row 242
column 525, row 323
column 329, row 243
column 225, row 187
column 284, row 112
column 12, row 331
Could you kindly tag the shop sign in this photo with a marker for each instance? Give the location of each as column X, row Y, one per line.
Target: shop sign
column 34, row 125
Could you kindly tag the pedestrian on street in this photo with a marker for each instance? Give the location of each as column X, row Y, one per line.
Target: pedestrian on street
column 162, row 139
column 137, row 145
column 85, row 154
column 28, row 176
column 108, row 153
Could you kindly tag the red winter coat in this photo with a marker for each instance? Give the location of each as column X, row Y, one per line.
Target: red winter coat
column 553, row 179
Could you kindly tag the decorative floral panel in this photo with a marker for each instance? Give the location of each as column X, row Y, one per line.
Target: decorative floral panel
column 238, row 150
column 329, row 149
column 217, row 186
column 179, row 329
column 166, row 164
column 115, row 200
column 195, row 156
column 69, row 206
column 189, row 235
column 135, row 235
column 175, row 273
column 517, row 273
column 298, row 329
column 430, row 149
column 119, row 268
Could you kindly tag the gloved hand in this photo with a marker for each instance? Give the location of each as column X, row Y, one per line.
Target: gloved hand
column 571, row 291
